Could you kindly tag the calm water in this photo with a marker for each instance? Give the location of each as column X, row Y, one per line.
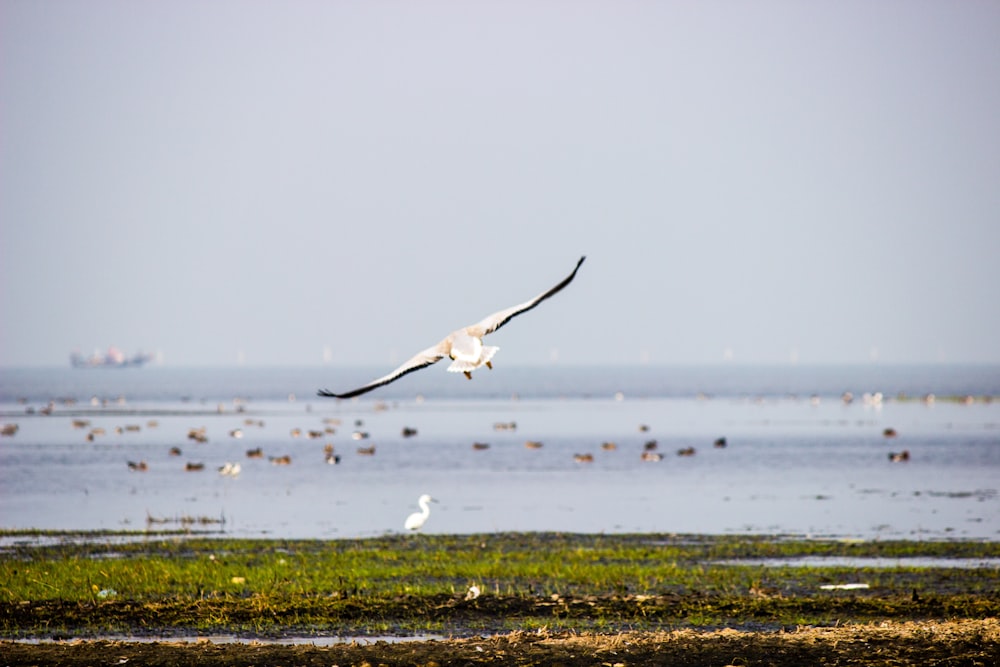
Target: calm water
column 798, row 460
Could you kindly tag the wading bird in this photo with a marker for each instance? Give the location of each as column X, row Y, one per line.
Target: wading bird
column 416, row 520
column 464, row 347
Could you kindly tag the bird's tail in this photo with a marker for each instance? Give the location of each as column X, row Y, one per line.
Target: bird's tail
column 463, row 366
column 488, row 352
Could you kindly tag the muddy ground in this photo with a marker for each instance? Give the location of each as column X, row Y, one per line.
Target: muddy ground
column 928, row 643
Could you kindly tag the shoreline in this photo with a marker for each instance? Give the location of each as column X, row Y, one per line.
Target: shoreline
column 509, row 599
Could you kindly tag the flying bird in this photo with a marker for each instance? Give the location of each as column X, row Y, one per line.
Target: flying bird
column 464, row 347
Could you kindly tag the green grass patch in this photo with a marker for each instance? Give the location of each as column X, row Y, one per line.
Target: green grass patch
column 406, row 584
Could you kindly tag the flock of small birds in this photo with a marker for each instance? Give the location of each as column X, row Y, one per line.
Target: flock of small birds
column 649, row 451
column 199, row 435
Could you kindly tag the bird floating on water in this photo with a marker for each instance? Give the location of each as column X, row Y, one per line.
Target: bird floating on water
column 464, row 346
column 416, row 520
column 230, row 469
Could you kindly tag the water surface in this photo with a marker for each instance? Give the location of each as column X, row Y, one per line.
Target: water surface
column 798, row 459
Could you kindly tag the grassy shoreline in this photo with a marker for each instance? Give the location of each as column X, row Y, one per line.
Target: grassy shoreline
column 544, row 598
column 400, row 585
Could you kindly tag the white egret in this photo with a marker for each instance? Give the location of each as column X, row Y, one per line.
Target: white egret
column 416, row 520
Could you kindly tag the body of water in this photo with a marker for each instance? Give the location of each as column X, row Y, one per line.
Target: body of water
column 798, row 459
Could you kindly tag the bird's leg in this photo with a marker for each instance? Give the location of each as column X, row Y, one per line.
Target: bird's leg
column 489, row 365
column 468, row 375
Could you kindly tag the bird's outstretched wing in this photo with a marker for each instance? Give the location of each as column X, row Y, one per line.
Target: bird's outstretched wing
column 496, row 320
column 434, row 354
column 429, row 356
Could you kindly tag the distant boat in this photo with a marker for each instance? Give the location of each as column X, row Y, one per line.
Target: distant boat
column 113, row 358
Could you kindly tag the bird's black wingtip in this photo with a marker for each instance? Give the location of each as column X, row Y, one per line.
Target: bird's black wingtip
column 326, row 393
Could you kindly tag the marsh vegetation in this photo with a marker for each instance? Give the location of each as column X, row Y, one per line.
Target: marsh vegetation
column 530, row 587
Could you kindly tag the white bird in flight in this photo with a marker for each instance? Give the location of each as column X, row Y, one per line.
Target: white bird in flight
column 416, row 520
column 464, row 347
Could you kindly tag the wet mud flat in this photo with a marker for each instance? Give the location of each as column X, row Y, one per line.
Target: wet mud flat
column 956, row 643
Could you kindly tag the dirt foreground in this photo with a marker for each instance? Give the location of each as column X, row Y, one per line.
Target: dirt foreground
column 967, row 642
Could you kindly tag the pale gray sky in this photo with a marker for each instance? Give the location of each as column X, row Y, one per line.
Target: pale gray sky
column 773, row 179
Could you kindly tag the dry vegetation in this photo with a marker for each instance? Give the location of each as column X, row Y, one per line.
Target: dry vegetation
column 958, row 643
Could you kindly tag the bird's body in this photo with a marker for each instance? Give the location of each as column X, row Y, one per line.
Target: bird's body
column 230, row 469
column 464, row 346
column 416, row 520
